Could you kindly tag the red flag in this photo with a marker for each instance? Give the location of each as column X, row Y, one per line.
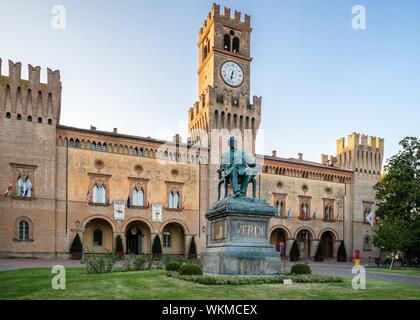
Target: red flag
column 303, row 215
column 8, row 190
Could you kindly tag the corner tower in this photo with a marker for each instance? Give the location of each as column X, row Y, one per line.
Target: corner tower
column 224, row 101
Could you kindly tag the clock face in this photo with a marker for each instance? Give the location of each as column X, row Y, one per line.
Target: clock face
column 232, row 73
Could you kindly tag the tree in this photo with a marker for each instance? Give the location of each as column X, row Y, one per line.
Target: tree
column 393, row 236
column 76, row 246
column 157, row 246
column 341, row 252
column 319, row 256
column 193, row 249
column 119, row 248
column 294, row 252
column 399, row 196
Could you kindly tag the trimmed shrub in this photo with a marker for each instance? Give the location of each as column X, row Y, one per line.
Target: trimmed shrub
column 157, row 247
column 319, row 254
column 140, row 263
column 341, row 253
column 294, row 252
column 190, row 269
column 172, row 266
column 119, row 248
column 237, row 280
column 76, row 245
column 193, row 249
column 301, row 268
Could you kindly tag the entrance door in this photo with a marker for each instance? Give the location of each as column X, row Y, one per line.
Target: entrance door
column 134, row 241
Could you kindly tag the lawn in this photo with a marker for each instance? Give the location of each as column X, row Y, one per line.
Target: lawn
column 36, row 284
column 406, row 271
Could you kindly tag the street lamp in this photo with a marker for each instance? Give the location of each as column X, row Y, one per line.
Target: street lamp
column 307, row 246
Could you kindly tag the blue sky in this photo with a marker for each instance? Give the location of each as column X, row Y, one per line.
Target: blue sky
column 132, row 65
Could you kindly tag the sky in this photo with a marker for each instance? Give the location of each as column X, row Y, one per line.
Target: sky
column 133, row 65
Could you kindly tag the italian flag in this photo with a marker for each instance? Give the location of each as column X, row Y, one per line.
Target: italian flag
column 8, row 190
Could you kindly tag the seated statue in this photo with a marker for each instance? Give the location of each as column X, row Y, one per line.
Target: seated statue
column 237, row 169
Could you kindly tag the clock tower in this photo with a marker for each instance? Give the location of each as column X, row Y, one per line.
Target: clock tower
column 224, row 53
column 224, row 106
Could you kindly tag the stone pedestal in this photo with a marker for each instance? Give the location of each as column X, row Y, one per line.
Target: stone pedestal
column 238, row 242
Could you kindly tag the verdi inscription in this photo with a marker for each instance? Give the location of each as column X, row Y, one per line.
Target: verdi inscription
column 244, row 229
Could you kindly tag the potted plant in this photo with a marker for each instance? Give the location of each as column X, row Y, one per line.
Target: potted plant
column 157, row 247
column 341, row 253
column 119, row 248
column 319, row 257
column 193, row 249
column 76, row 248
column 294, row 252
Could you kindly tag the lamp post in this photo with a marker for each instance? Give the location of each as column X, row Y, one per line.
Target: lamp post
column 306, row 246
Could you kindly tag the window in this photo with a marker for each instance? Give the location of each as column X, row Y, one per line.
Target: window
column 166, row 239
column 328, row 212
column 367, row 243
column 98, row 194
column 367, row 213
column 97, row 237
column 173, row 201
column 23, row 230
column 8, row 115
column 30, row 118
column 49, row 121
column 204, row 53
column 19, row 116
column 226, row 42
column 235, row 45
column 305, row 211
column 39, row 120
column 24, row 187
column 138, row 197
column 280, row 208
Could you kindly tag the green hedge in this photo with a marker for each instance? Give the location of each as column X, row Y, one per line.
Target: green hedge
column 237, row 280
column 300, row 268
column 190, row 269
column 172, row 266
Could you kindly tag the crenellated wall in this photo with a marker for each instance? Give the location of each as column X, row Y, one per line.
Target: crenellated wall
column 30, row 98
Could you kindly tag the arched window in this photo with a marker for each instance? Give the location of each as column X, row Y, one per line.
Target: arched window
column 167, row 239
column 138, row 197
column 23, row 230
column 226, row 42
column 97, row 237
column 78, row 144
column 367, row 243
column 24, row 187
column 98, row 194
column 71, row 143
column 280, row 208
column 204, row 52
column 173, row 200
column 104, row 147
column 304, row 211
column 235, row 45
column 367, row 214
column 328, row 212
column 93, row 146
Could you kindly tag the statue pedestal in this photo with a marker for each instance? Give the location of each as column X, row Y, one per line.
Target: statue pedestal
column 238, row 242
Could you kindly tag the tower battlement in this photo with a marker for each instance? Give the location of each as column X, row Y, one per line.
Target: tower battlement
column 30, row 97
column 361, row 153
column 225, row 17
column 361, row 141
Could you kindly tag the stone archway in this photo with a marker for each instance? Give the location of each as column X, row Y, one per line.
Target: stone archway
column 137, row 238
column 327, row 240
column 278, row 238
column 173, row 239
column 304, row 240
column 98, row 236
